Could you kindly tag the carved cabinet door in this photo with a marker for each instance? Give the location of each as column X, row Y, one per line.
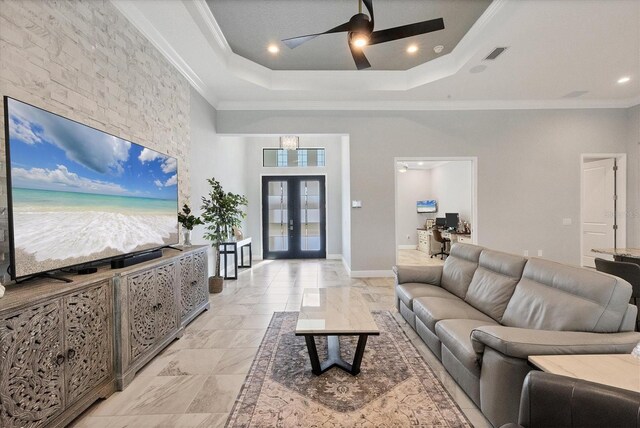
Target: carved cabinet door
column 200, row 280
column 187, row 303
column 32, row 366
column 166, row 306
column 142, row 310
column 89, row 332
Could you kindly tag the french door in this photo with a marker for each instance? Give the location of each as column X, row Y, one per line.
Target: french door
column 293, row 217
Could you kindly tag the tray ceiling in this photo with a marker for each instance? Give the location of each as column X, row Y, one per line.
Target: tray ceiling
column 249, row 26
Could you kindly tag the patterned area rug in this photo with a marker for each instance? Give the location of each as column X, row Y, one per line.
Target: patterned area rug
column 395, row 388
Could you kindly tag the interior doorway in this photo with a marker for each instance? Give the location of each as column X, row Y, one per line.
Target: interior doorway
column 430, row 189
column 603, row 201
column 293, row 217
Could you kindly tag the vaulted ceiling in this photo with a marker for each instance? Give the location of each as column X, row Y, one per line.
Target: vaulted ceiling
column 561, row 53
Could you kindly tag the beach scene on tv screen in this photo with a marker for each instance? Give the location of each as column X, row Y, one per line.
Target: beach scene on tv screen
column 80, row 195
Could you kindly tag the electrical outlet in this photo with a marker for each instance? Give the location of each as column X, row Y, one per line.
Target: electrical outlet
column 526, row 253
column 409, row 237
column 539, row 253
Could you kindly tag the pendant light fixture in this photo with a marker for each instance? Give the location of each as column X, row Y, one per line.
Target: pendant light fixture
column 289, row 142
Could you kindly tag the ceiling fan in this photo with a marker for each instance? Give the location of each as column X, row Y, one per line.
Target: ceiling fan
column 361, row 34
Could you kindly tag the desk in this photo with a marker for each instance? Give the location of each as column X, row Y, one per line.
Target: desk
column 621, row 254
column 231, row 247
column 425, row 239
column 617, row 370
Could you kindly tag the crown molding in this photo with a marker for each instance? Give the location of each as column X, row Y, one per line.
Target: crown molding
column 138, row 20
column 428, row 105
column 199, row 8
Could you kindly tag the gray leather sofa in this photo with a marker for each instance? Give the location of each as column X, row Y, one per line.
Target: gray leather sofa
column 484, row 312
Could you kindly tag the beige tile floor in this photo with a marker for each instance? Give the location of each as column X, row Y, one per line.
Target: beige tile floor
column 417, row 258
column 194, row 381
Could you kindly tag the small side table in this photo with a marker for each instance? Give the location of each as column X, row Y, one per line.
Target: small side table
column 231, row 247
column 617, row 370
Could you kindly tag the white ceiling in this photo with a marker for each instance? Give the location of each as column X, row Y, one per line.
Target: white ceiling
column 556, row 47
column 249, row 26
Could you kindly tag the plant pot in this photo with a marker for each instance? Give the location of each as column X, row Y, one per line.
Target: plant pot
column 186, row 234
column 216, row 284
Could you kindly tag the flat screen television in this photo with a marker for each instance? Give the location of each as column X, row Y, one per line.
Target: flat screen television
column 78, row 195
column 429, row 206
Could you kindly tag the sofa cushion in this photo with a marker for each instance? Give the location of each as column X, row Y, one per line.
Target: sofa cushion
column 409, row 291
column 459, row 267
column 494, row 281
column 423, row 274
column 553, row 296
column 430, row 310
column 455, row 334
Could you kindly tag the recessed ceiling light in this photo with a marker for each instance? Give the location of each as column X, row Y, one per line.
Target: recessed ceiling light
column 412, row 49
column 624, row 79
column 420, row 163
column 438, row 49
column 273, row 49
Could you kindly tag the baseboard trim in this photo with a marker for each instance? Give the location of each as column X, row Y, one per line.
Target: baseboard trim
column 334, row 256
column 346, row 266
column 407, row 247
column 371, row 274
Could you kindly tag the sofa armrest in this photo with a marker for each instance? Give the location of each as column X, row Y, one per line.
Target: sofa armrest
column 423, row 274
column 522, row 342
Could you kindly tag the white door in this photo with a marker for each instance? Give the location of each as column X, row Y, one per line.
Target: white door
column 598, row 213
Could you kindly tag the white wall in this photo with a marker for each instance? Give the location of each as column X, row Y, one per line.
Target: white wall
column 528, row 168
column 452, row 188
column 333, row 170
column 633, row 178
column 212, row 157
column 345, row 181
column 412, row 186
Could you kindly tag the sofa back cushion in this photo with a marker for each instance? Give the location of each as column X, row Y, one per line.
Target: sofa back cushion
column 553, row 296
column 494, row 281
column 459, row 268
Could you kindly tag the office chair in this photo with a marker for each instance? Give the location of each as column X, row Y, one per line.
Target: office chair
column 554, row 401
column 630, row 272
column 443, row 241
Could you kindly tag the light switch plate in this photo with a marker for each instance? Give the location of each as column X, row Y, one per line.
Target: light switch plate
column 356, row 204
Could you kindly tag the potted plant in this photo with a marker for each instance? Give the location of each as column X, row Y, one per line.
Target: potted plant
column 188, row 221
column 221, row 212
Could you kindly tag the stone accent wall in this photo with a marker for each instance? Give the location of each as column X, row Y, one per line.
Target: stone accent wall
column 83, row 60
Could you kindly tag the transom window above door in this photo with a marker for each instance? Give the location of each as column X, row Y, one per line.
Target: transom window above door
column 278, row 158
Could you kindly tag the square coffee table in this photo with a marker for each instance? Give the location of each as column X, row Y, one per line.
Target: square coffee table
column 333, row 312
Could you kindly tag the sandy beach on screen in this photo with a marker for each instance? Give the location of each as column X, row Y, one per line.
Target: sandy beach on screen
column 57, row 239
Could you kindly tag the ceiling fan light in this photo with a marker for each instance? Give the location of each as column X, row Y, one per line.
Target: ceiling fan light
column 289, row 142
column 360, row 40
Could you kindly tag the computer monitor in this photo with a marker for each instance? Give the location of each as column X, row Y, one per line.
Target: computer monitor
column 440, row 221
column 452, row 220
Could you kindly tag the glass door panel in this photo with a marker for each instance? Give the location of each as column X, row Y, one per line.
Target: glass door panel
column 310, row 215
column 278, row 213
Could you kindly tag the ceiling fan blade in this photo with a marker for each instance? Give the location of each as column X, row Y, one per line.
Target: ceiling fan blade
column 358, row 56
column 369, row 5
column 404, row 31
column 294, row 42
